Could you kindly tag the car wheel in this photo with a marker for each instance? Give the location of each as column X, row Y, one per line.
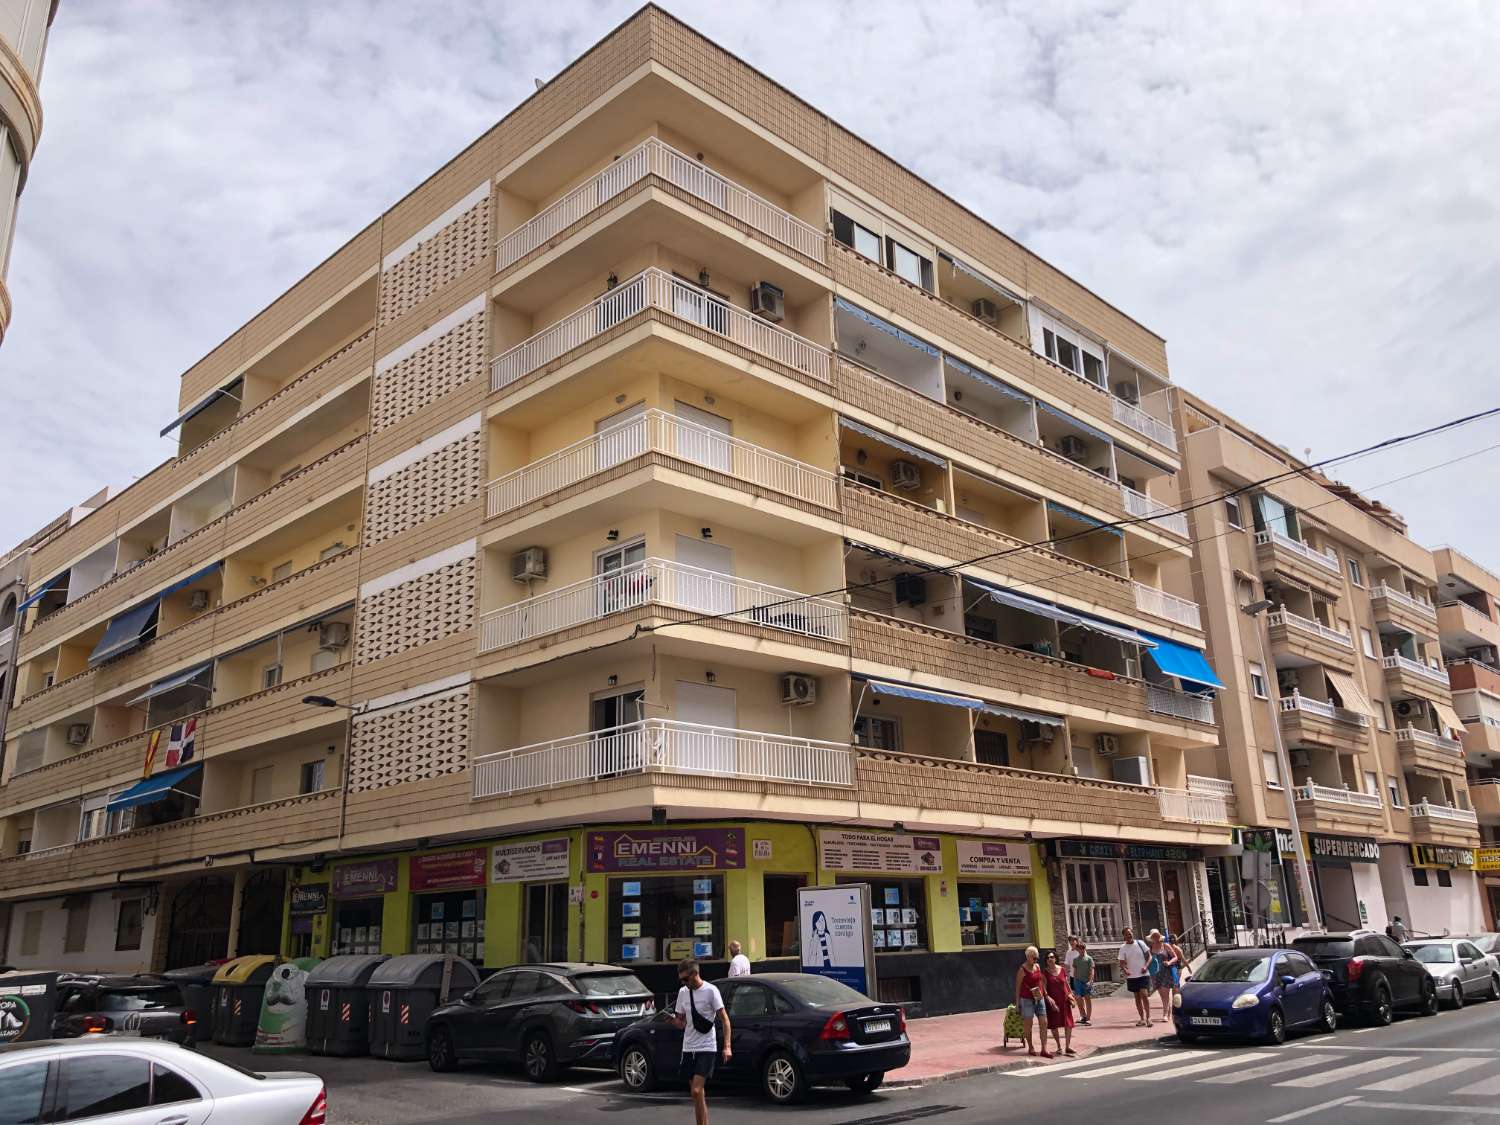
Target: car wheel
column 1429, row 1000
column 1494, row 992
column 1456, row 1000
column 637, row 1071
column 865, row 1083
column 1275, row 1028
column 440, row 1053
column 538, row 1058
column 782, row 1080
column 1330, row 1020
column 1187, row 1038
column 1383, row 1013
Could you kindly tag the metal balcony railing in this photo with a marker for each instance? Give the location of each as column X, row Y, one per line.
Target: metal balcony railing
column 1159, row 603
column 1444, row 812
column 1418, row 737
column 1299, row 702
column 1274, row 538
column 1402, row 598
column 1181, row 705
column 1326, row 794
column 1290, row 620
column 1398, row 663
column 1141, row 506
column 1142, row 423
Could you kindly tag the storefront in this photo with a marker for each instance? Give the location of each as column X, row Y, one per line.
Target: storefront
column 1433, row 887
column 1106, row 885
column 359, row 891
column 532, row 878
column 448, row 902
column 307, row 906
column 1487, row 871
column 1346, row 880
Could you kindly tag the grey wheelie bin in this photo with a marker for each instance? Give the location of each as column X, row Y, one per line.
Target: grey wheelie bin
column 403, row 993
column 338, row 1004
column 197, row 985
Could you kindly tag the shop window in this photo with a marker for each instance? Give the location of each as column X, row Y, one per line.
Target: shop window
column 665, row 918
column 451, row 922
column 877, row 734
column 1419, row 876
column 128, row 925
column 898, row 913
column 357, row 926
column 994, row 913
column 546, row 927
column 1444, row 877
column 992, row 747
column 779, row 893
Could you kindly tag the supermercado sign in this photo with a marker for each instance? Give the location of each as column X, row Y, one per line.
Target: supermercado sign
column 993, row 857
column 1357, row 849
column 884, row 852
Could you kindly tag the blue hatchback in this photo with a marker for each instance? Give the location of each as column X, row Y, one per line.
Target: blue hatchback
column 1254, row 994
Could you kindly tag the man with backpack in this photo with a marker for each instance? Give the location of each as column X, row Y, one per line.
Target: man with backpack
column 699, row 1014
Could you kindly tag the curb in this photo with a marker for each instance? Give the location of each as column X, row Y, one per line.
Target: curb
column 1022, row 1063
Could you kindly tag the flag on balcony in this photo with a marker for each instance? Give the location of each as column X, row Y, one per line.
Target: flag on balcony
column 180, row 745
column 152, row 745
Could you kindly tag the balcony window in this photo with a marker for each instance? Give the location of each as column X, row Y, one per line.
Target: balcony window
column 1272, row 515
column 1232, row 512
column 1258, row 682
column 1271, row 766
column 991, row 748
column 907, row 264
column 312, row 777
column 1372, row 783
column 877, row 734
column 1382, row 714
column 859, row 238
column 1069, row 348
column 1394, row 788
column 1367, row 642
column 1356, row 572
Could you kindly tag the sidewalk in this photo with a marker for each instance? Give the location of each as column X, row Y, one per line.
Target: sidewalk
column 944, row 1047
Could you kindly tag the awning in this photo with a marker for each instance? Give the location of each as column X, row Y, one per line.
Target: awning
column 984, row 380
column 1005, row 597
column 126, row 631
column 153, row 788
column 1188, row 664
column 926, row 695
column 190, row 579
column 900, row 560
column 1084, row 426
column 36, row 595
column 885, row 326
column 894, row 443
column 1119, row 632
column 1448, row 717
column 1350, row 692
column 1020, row 714
column 202, row 404
column 1053, row 506
column 994, row 286
column 166, row 685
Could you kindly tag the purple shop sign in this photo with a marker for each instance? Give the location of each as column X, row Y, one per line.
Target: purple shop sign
column 666, row 849
column 361, row 880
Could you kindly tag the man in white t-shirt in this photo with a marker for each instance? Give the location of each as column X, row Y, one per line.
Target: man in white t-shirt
column 739, row 964
column 1135, row 960
column 700, row 1013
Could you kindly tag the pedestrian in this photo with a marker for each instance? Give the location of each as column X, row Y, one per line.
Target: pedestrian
column 1059, row 1004
column 1396, row 931
column 1181, row 970
column 1082, row 974
column 1031, row 994
column 699, row 1015
column 739, row 964
column 1135, row 960
column 1071, row 955
column 1162, row 966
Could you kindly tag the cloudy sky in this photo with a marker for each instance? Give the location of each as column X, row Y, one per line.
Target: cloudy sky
column 1300, row 197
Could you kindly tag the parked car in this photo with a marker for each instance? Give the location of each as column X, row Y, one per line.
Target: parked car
column 132, row 1080
column 1254, row 994
column 1372, row 976
column 789, row 1031
column 1485, row 943
column 140, row 1005
column 1458, row 968
column 547, row 1017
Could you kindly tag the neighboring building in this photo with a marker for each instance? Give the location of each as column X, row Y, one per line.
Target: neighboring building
column 1347, row 658
column 556, row 474
column 23, row 43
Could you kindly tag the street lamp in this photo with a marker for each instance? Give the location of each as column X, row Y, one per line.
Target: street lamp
column 325, row 701
column 1304, row 877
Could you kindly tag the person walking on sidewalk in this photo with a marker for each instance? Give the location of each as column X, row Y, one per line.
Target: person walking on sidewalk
column 1396, row 931
column 1081, row 973
column 1059, row 1003
column 1031, row 995
column 739, row 964
column 1163, row 966
column 1135, row 961
column 699, row 1015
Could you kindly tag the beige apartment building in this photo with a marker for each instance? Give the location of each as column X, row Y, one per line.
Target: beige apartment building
column 23, row 44
column 1323, row 620
column 632, row 525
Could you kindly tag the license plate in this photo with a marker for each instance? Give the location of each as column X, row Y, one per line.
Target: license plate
column 1206, row 1021
column 872, row 1026
column 624, row 1009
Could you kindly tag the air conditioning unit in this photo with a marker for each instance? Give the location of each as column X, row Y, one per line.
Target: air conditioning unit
column 1132, row 771
column 984, row 309
column 905, row 476
column 768, row 301
column 911, row 589
column 528, row 564
column 198, row 600
column 1406, row 708
column 78, row 734
column 1300, row 759
column 1034, row 732
column 333, row 635
column 1073, row 448
column 1129, row 392
column 1107, row 745
column 798, row 690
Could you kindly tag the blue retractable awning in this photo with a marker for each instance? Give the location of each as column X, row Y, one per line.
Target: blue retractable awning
column 169, row 683
column 894, row 443
column 126, row 631
column 986, row 380
column 200, row 406
column 1001, row 596
column 36, row 595
column 926, row 695
column 886, row 326
column 1084, row 426
column 189, row 580
column 1187, row 664
column 1053, row 506
column 152, row 788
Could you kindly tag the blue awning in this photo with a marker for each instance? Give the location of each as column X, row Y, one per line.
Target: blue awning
column 1002, row 596
column 1188, row 664
column 169, row 683
column 201, row 405
column 36, row 595
column 926, row 695
column 190, row 579
column 1081, row 518
column 126, row 631
column 153, row 788
column 886, row 326
column 986, row 380
column 1084, row 426
column 894, row 443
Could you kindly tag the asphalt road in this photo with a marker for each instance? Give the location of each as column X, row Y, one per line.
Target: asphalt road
column 1444, row 1069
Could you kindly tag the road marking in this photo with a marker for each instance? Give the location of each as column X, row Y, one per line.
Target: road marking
column 1257, row 1072
column 1193, row 1068
column 1456, row 1111
column 1366, row 1030
column 1310, row 1109
column 1485, row 1087
column 1430, row 1074
column 1415, row 1050
column 1073, row 1064
column 1338, row 1074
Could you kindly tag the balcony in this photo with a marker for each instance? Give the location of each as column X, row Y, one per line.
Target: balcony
column 655, row 158
column 1307, row 641
column 655, row 289
column 663, row 746
column 1444, row 823
column 664, row 583
column 1169, row 607
column 1458, row 622
column 1424, row 752
column 1400, row 609
column 1481, row 737
column 1325, row 806
column 1308, row 564
column 1097, row 923
column 1382, row 592
column 1313, row 722
column 1180, row 705
column 1145, row 424
column 1414, row 677
column 1465, row 674
column 1164, row 516
column 1206, row 800
column 655, row 432
column 1485, row 793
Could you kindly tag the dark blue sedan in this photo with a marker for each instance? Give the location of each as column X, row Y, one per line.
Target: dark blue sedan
column 1254, row 994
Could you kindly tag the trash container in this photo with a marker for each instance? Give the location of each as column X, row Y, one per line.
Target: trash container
column 28, row 1001
column 338, row 1004
column 238, row 988
column 404, row 991
column 196, row 983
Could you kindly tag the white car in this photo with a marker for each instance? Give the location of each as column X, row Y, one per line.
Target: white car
column 115, row 1081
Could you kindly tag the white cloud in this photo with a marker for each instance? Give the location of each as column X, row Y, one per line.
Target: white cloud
column 1299, row 197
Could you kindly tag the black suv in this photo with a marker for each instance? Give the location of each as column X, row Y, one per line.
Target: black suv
column 1370, row 975
column 143, row 1004
column 547, row 1017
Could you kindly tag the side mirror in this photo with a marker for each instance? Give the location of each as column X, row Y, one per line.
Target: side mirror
column 468, row 997
column 1326, row 975
column 1288, row 981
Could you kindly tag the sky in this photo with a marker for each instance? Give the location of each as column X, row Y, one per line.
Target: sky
column 1301, row 197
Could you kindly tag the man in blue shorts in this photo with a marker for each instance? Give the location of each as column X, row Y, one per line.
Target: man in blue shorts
column 1081, row 977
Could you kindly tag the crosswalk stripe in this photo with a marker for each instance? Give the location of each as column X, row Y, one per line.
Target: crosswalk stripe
column 1283, row 1066
column 1421, row 1077
column 1117, row 1068
column 1073, row 1064
column 1192, row 1068
column 1338, row 1074
column 1485, row 1087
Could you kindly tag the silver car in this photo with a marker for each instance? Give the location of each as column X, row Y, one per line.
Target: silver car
column 149, row 1082
column 1460, row 971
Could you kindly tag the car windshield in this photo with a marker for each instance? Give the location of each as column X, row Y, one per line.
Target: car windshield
column 139, row 999
column 609, row 984
column 820, row 992
column 1325, row 949
column 1432, row 954
column 1235, row 969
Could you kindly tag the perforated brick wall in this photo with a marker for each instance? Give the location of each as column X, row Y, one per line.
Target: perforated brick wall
column 437, row 483
column 428, row 738
column 419, row 611
column 443, row 258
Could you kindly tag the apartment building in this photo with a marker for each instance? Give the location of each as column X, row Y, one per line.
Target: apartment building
column 1323, row 623
column 23, row 43
column 631, row 525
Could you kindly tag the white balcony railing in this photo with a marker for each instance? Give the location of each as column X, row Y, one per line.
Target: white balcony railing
column 663, row 746
column 1326, row 794
column 6, row 635
column 654, row 289
column 1318, row 558
column 1398, row 663
column 1402, row 598
column 1143, row 423
column 1290, row 620
column 1181, row 705
column 1195, row 808
column 1299, row 702
column 1159, row 603
column 1444, row 812
column 656, row 157
column 655, row 431
column 1141, row 506
column 664, row 582
column 1097, row 923
column 1214, row 785
column 1417, row 737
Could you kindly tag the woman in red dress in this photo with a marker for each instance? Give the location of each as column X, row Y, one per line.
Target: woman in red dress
column 1060, row 1009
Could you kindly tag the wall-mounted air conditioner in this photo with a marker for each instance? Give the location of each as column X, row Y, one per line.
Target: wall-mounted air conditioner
column 333, row 635
column 767, row 300
column 798, row 690
column 905, row 476
column 528, row 564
